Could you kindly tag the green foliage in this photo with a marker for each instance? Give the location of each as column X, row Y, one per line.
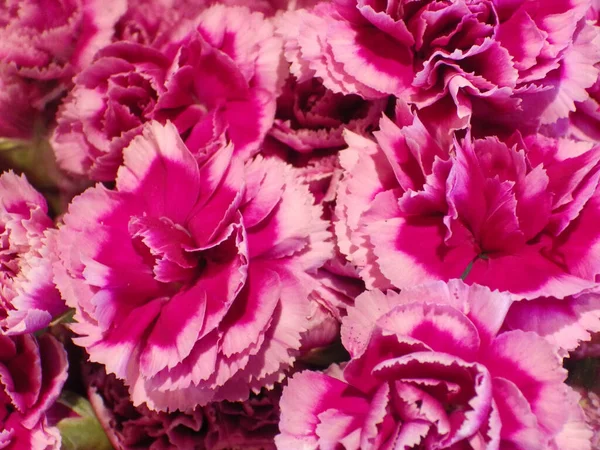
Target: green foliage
column 82, row 432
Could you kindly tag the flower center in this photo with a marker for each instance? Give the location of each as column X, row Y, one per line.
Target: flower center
column 167, row 248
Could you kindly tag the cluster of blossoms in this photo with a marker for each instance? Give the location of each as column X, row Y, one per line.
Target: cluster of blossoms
column 300, row 224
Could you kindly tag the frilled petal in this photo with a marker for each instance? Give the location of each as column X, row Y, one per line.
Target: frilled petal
column 565, row 322
column 567, row 84
column 464, row 424
column 538, row 376
column 442, row 328
column 311, row 399
column 160, row 170
column 29, row 297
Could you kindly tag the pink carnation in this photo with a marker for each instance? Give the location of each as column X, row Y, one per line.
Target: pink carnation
column 249, row 425
column 54, row 40
column 518, row 216
column 311, row 117
column 154, row 22
column 33, row 374
column 215, row 80
column 43, row 45
column 430, row 369
column 228, row 66
column 455, row 58
column 28, row 296
column 191, row 282
column 107, row 108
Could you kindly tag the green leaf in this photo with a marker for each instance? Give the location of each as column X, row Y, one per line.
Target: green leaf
column 83, row 432
column 66, row 317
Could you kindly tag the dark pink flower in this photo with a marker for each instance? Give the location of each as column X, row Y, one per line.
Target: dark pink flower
column 229, row 66
column 249, row 425
column 192, row 282
column 215, row 80
column 28, row 296
column 455, row 58
column 517, row 216
column 311, row 117
column 430, row 369
column 33, row 374
column 19, row 106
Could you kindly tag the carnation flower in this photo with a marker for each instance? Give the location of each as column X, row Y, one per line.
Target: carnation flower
column 154, row 22
column 28, row 296
column 43, row 45
column 33, row 374
column 249, row 425
column 214, row 80
column 107, row 108
column 454, row 58
column 192, row 283
column 311, row 117
column 517, row 216
column 429, row 368
column 57, row 40
column 228, row 66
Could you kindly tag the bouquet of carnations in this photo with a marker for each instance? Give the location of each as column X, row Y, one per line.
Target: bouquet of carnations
column 300, row 224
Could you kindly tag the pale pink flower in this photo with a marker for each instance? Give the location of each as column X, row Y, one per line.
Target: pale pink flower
column 54, row 40
column 430, row 369
column 107, row 108
column 591, row 408
column 28, row 296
